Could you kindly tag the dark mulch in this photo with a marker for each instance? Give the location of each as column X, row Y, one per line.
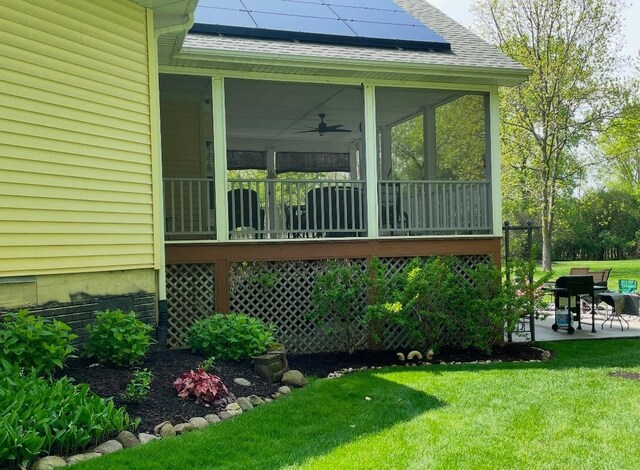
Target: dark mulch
column 167, row 365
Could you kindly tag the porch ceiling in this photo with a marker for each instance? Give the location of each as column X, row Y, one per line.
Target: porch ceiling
column 262, row 114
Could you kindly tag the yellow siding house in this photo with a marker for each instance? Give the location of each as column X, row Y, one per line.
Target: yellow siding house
column 79, row 156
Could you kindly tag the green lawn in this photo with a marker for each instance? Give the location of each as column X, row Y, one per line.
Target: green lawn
column 566, row 413
column 625, row 269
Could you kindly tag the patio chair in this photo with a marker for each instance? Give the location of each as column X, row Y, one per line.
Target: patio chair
column 245, row 210
column 335, row 212
column 578, row 271
column 627, row 286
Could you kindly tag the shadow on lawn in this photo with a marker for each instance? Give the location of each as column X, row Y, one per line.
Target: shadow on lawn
column 328, row 414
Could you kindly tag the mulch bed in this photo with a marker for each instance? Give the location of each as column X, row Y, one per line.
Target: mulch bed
column 163, row 403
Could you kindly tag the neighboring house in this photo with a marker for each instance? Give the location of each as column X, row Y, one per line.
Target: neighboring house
column 220, row 168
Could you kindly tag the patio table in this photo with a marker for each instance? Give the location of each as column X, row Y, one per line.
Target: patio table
column 621, row 304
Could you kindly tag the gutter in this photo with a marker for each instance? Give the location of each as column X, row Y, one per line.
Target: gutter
column 185, row 26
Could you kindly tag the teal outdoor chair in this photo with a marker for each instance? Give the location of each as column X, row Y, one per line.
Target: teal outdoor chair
column 627, row 286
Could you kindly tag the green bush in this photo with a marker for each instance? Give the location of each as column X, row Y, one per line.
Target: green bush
column 139, row 387
column 339, row 300
column 31, row 341
column 42, row 417
column 440, row 307
column 118, row 338
column 234, row 336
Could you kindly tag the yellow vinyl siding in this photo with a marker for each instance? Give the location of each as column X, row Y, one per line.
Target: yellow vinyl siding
column 76, row 189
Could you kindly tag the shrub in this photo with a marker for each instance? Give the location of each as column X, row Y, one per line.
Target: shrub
column 31, row 341
column 234, row 336
column 200, row 385
column 441, row 308
column 139, row 387
column 206, row 364
column 42, row 417
column 118, row 338
column 339, row 303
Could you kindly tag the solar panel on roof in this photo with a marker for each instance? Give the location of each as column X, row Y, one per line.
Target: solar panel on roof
column 380, row 23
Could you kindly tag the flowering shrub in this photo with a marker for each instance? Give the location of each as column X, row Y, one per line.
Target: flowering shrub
column 201, row 385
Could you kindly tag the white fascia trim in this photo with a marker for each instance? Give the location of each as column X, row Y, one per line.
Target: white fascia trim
column 504, row 77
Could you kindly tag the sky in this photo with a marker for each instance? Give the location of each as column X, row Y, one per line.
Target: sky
column 459, row 11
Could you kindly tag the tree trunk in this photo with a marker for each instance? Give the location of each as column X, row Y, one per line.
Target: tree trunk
column 546, row 243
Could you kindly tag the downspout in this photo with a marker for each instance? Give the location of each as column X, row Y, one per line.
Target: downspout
column 163, row 311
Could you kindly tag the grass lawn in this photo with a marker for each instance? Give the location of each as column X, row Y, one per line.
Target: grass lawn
column 625, row 269
column 565, row 413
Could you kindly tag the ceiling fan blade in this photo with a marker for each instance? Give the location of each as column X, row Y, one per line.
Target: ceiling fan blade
column 338, row 130
column 303, row 132
column 336, row 126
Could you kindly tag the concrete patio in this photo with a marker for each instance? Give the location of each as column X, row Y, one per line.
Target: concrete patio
column 545, row 333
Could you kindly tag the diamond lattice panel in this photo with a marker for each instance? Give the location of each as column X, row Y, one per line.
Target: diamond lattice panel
column 280, row 293
column 190, row 297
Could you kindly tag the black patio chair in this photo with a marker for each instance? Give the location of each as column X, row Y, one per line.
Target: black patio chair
column 245, row 211
column 335, row 212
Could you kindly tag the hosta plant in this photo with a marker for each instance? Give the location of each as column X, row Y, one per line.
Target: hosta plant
column 200, row 385
column 31, row 341
column 118, row 338
column 234, row 336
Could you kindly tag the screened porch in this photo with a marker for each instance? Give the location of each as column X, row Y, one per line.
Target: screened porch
column 302, row 161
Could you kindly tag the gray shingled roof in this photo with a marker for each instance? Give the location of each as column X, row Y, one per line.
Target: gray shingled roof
column 468, row 50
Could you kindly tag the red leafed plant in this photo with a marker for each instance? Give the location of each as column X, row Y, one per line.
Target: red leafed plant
column 202, row 386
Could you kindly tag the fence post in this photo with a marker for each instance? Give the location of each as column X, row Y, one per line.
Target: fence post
column 532, row 313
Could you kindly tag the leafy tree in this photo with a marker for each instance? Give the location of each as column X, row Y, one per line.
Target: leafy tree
column 550, row 122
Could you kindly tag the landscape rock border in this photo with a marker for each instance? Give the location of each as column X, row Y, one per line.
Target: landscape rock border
column 167, row 430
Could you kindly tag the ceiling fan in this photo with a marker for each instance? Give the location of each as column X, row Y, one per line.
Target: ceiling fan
column 323, row 128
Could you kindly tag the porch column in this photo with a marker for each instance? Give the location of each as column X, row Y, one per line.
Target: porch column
column 353, row 162
column 271, row 190
column 492, row 159
column 429, row 132
column 371, row 157
column 220, row 158
column 385, row 167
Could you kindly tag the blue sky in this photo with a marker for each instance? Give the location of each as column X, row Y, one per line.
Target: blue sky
column 459, row 10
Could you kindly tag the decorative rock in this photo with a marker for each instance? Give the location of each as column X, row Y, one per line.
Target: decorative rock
column 275, row 395
column 48, row 463
column 241, row 381
column 284, row 390
column 244, row 403
column 233, row 409
column 108, row 447
column 184, row 428
column 127, row 439
column 255, row 400
column 212, row 419
column 400, row 357
column 546, row 355
column 414, row 355
column 430, row 354
column 267, row 400
column 81, row 457
column 225, row 415
column 164, row 429
column 295, row 378
column 199, row 423
column 145, row 438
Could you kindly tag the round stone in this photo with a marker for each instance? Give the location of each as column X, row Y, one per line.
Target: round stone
column 242, row 382
column 108, row 447
column 199, row 423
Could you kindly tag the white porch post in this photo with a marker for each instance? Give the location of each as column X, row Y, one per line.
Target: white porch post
column 385, row 167
column 271, row 190
column 371, row 156
column 429, row 129
column 492, row 132
column 353, row 162
column 220, row 158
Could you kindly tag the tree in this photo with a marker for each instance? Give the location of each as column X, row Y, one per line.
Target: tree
column 550, row 123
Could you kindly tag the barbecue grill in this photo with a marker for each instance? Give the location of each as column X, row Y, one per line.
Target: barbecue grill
column 567, row 293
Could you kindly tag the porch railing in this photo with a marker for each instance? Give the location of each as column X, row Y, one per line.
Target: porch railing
column 280, row 209
column 434, row 207
column 296, row 208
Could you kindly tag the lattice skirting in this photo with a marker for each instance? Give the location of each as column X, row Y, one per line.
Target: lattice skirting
column 278, row 293
column 190, row 297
